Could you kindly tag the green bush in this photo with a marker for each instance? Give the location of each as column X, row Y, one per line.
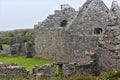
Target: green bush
column 4, row 40
column 109, row 76
column 103, row 76
column 24, row 36
column 114, row 76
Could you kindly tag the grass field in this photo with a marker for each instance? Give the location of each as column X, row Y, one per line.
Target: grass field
column 27, row 63
column 5, row 46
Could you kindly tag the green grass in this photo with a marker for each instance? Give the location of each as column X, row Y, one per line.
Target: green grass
column 5, row 46
column 27, row 63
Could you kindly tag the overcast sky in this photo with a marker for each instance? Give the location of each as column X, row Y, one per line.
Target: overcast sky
column 20, row 14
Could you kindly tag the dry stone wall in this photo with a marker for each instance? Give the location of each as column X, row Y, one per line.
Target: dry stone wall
column 61, row 69
column 11, row 71
column 48, row 70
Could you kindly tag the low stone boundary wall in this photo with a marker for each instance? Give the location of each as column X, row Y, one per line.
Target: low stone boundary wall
column 12, row 71
column 60, row 69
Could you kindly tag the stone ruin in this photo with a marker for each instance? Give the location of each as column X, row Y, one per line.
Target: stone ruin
column 89, row 36
column 48, row 34
column 83, row 41
column 63, row 69
column 46, row 71
column 28, row 49
column 15, row 49
column 18, row 49
column 11, row 71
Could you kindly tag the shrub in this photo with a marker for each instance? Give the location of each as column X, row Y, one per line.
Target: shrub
column 114, row 76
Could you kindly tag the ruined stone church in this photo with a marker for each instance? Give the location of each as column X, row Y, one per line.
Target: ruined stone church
column 75, row 36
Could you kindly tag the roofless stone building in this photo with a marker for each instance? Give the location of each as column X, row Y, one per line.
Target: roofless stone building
column 79, row 36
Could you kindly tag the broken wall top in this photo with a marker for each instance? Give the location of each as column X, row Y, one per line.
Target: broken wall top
column 60, row 18
column 93, row 12
column 115, row 8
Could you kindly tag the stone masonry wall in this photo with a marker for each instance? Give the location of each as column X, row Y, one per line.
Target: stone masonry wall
column 60, row 68
column 93, row 30
column 49, row 37
column 11, row 71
